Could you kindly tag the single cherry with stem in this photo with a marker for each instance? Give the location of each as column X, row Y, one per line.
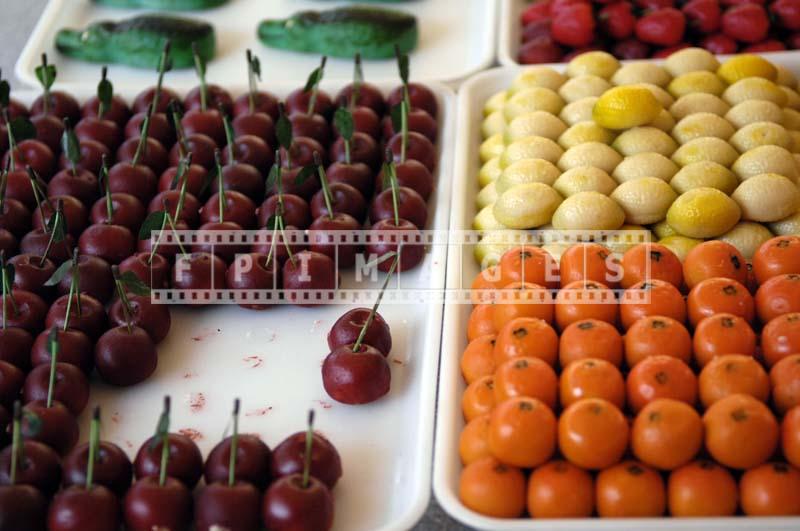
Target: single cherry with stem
column 153, row 95
column 294, row 155
column 307, row 122
column 27, row 311
column 134, row 305
column 14, row 215
column 245, row 148
column 310, row 98
column 242, row 175
column 152, row 233
column 201, row 145
column 30, row 462
column 53, row 102
column 181, row 204
column 205, row 118
column 144, row 149
column 395, row 201
column 352, row 146
column 334, row 197
column 289, row 458
column 130, row 177
column 344, row 169
column 15, row 342
column 255, row 102
column 98, row 122
column 27, row 152
column 360, row 94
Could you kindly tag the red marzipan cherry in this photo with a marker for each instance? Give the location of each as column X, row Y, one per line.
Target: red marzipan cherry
column 244, row 178
column 198, row 271
column 234, row 507
column 112, row 243
column 117, row 112
column 56, row 426
column 153, row 318
column 421, row 97
column 15, row 346
column 419, row 121
column 91, row 157
column 77, row 508
column 288, row 504
column 304, row 190
column 347, row 328
column 35, row 243
column 128, row 211
column 295, row 211
column 138, row 181
column 369, row 96
column 75, row 214
column 5, row 424
column 15, row 109
column 208, row 122
column 112, row 468
column 153, row 273
column 202, row 148
column 358, row 175
column 125, row 357
column 258, row 124
column 165, row 248
column 411, row 174
column 30, row 311
column 411, row 252
column 143, row 100
column 265, row 102
column 18, row 186
column 252, row 272
column 251, row 150
column 298, row 100
column 312, row 126
column 207, row 243
column 418, row 148
column 106, row 132
column 71, row 386
column 185, row 460
column 154, row 155
column 49, row 130
column 344, row 199
column 410, row 205
column 309, row 271
column 365, row 121
column 23, row 508
column 92, row 319
column 252, row 462
column 8, row 243
column 75, row 348
column 59, row 103
column 30, row 274
column 263, row 243
column 301, row 153
column 149, row 505
column 81, row 185
column 195, row 178
column 159, row 129
column 323, row 230
column 15, row 217
column 239, row 209
column 352, row 377
column 363, row 148
column 217, row 97
column 95, row 278
column 11, row 381
column 35, row 154
column 39, row 467
column 190, row 212
column 288, row 458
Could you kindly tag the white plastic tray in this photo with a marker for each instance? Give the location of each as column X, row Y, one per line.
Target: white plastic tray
column 271, row 360
column 461, row 269
column 457, row 39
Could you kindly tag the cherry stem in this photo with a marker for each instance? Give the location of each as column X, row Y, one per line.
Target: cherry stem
column 229, row 138
column 162, row 66
column 123, row 298
column 220, row 186
column 46, row 86
column 94, row 443
column 326, row 190
column 171, row 223
column 346, row 150
column 74, row 290
column 251, row 82
column 158, row 239
column 37, row 191
column 371, row 317
column 164, row 422
column 102, row 107
column 309, row 444
column 234, row 444
column 107, row 190
column 141, row 147
column 16, row 442
column 183, row 147
column 183, row 167
column 403, row 129
column 54, row 349
column 358, row 78
column 312, row 101
column 12, row 142
column 201, row 73
column 67, row 130
column 393, row 183
column 59, row 218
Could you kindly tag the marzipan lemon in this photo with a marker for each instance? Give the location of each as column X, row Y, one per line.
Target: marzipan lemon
column 785, row 77
column 664, row 98
column 495, row 103
column 583, row 132
column 625, row 107
column 767, row 197
column 578, row 111
column 487, row 195
column 663, row 121
column 526, row 206
column 644, row 200
column 485, row 220
column 751, row 111
column 590, row 154
column 531, row 147
column 792, row 98
column 766, row 159
column 747, row 236
column 532, row 99
column 703, row 213
column 537, row 76
column 699, row 81
column 492, row 147
column 645, row 164
column 493, row 124
column 588, row 211
column 583, row 86
column 791, row 119
column 698, row 102
column 662, row 230
column 690, row 60
column 746, row 65
column 702, row 124
column 584, row 179
column 705, row 148
column 644, row 140
column 761, row 134
column 704, row 174
column 489, row 172
column 527, row 171
column 597, row 63
column 786, row 226
column 754, row 88
column 536, row 123
column 680, row 245
column 641, row 72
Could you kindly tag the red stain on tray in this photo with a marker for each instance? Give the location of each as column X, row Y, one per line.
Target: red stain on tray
column 259, row 412
column 397, row 361
column 188, row 375
column 253, row 361
column 197, row 401
column 115, row 417
column 315, row 325
column 205, row 333
column 324, row 404
column 192, row 433
column 128, row 444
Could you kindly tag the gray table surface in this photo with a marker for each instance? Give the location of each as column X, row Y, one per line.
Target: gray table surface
column 17, row 18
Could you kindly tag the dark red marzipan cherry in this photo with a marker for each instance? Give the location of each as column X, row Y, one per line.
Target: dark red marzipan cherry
column 252, row 272
column 207, row 240
column 295, row 211
column 15, row 217
column 242, row 178
column 258, row 124
column 15, row 346
column 410, row 205
column 312, row 126
column 411, row 174
column 198, row 271
column 71, row 386
column 301, row 153
column 411, row 252
column 15, row 109
column 56, row 426
column 117, row 112
column 355, row 378
column 265, row 102
column 39, row 466
column 49, row 130
column 369, row 96
column 185, row 460
column 60, row 104
column 30, row 311
column 159, row 129
column 112, row 468
column 153, row 318
column 94, row 274
column 358, row 175
column 202, row 148
column 143, row 100
column 30, row 274
column 363, row 148
column 249, row 149
column 128, row 211
column 112, row 243
column 18, row 186
column 5, row 426
column 35, row 154
column 125, row 357
column 234, row 507
column 195, row 177
column 167, row 247
column 288, row 504
column 92, row 319
column 420, row 96
column 208, row 122
column 365, row 121
column 75, row 214
column 11, row 382
column 23, row 508
column 418, row 148
column 288, row 458
column 104, row 131
column 154, row 274
column 253, row 459
column 8, row 242
column 81, row 185
column 77, row 508
column 347, row 328
column 304, row 190
column 190, row 212
column 154, row 156
column 149, row 506
column 216, row 97
column 298, row 100
column 91, row 157
column 344, row 199
column 309, row 271
column 139, row 180
column 35, row 243
column 324, row 229
column 238, row 208
column 263, row 243
column 75, row 348
column 419, row 121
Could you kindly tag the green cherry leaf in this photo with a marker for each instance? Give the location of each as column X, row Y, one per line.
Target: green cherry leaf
column 153, row 222
column 283, row 130
column 133, row 284
column 22, row 128
column 343, row 120
column 59, row 274
column 304, row 174
column 46, row 75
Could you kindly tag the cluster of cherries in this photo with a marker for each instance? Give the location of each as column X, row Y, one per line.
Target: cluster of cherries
column 246, row 483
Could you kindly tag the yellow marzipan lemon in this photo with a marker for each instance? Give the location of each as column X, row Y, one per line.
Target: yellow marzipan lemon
column 767, row 197
column 746, row 65
column 698, row 102
column 690, row 60
column 626, row 107
column 584, row 179
column 704, row 174
column 645, row 164
column 703, row 213
column 644, row 200
column 596, row 63
column 747, row 236
column 526, row 206
column 588, row 211
column 527, row 171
